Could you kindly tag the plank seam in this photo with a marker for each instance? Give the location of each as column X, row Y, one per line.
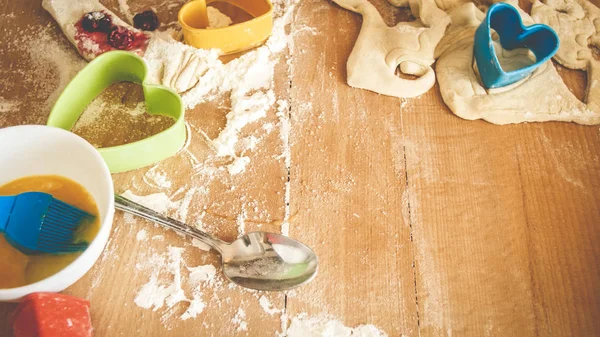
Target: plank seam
column 407, row 188
column 414, row 269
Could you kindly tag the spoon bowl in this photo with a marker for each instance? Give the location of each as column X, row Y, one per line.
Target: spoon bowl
column 269, row 261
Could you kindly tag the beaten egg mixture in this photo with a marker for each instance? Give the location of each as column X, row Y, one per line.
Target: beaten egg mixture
column 18, row 269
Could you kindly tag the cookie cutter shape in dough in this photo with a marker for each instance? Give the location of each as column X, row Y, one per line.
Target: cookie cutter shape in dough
column 380, row 50
column 506, row 21
column 541, row 97
column 117, row 66
column 232, row 39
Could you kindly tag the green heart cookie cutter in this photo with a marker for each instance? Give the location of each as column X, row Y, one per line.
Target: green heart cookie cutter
column 119, row 66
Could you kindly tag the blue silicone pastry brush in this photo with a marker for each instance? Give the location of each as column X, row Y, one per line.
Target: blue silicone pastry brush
column 36, row 222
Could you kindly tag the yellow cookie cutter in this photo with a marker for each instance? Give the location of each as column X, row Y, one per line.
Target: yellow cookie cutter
column 193, row 19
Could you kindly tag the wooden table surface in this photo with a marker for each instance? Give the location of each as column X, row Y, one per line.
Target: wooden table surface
column 425, row 224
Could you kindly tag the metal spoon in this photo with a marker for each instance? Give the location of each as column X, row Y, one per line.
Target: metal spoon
column 258, row 260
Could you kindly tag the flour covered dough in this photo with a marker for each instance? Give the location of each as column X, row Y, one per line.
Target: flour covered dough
column 541, row 97
column 380, row 50
column 446, row 5
column 577, row 23
column 175, row 65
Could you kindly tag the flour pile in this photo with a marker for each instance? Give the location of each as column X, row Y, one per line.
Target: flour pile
column 200, row 77
column 156, row 294
column 322, row 326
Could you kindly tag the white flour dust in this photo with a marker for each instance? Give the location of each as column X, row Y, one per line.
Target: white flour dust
column 324, row 326
column 202, row 77
column 239, row 320
column 160, row 292
column 142, row 235
column 44, row 64
column 267, row 306
column 158, row 202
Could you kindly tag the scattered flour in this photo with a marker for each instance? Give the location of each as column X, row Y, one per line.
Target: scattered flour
column 184, row 204
column 129, row 218
column 239, row 320
column 142, row 235
column 43, row 63
column 238, row 165
column 200, row 76
column 153, row 294
column 201, row 274
column 196, row 307
column 241, row 223
column 158, row 202
column 267, row 306
column 157, row 293
column 321, row 326
column 156, row 178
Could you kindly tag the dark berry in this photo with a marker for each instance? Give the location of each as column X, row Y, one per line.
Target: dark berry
column 146, row 20
column 96, row 22
column 120, row 38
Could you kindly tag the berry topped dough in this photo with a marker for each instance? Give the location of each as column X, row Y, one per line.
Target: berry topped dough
column 93, row 29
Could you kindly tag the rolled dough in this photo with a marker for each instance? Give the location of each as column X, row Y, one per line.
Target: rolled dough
column 541, row 97
column 577, row 23
column 380, row 50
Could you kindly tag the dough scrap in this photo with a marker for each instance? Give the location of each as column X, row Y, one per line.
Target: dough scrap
column 577, row 23
column 67, row 13
column 542, row 97
column 175, row 65
column 380, row 49
column 448, row 5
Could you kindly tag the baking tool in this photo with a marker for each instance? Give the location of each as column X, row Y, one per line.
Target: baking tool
column 506, row 21
column 43, row 150
column 257, row 260
column 106, row 69
column 35, row 222
column 52, row 315
column 235, row 38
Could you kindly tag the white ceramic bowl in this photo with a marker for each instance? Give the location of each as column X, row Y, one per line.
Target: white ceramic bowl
column 39, row 150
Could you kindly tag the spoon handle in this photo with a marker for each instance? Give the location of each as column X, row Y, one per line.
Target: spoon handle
column 129, row 206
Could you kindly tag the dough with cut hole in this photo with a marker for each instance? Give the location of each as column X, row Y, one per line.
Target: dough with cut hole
column 577, row 23
column 380, row 49
column 541, row 97
column 447, row 5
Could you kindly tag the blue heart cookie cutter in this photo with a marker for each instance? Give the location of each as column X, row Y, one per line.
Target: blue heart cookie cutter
column 506, row 21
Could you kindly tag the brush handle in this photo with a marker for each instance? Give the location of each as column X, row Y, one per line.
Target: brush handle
column 6, row 207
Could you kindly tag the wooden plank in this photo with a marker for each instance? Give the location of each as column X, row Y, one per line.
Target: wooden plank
column 467, row 220
column 347, row 182
column 504, row 223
